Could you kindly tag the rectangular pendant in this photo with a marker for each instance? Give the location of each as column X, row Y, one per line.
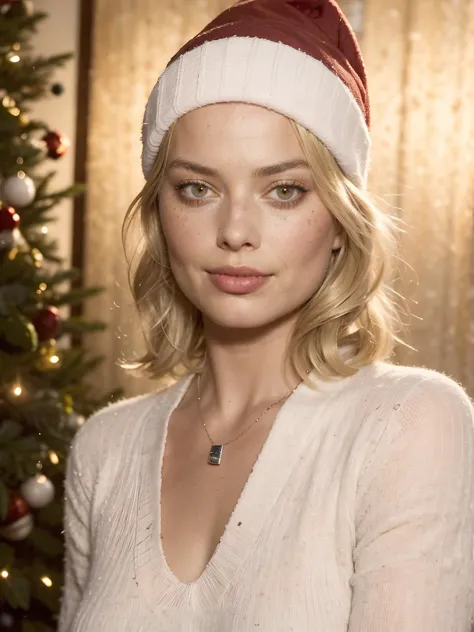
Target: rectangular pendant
column 215, row 455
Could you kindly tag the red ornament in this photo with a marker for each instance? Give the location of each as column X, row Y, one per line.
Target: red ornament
column 9, row 218
column 17, row 508
column 57, row 144
column 46, row 323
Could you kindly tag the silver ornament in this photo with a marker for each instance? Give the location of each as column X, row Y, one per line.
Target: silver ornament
column 8, row 239
column 19, row 191
column 38, row 491
column 18, row 530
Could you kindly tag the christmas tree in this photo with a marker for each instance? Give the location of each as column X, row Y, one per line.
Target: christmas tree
column 44, row 393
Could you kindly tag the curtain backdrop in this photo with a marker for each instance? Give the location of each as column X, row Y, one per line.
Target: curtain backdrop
column 419, row 56
column 420, row 60
column 133, row 42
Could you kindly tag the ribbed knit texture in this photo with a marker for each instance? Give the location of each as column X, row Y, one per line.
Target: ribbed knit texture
column 265, row 73
column 358, row 516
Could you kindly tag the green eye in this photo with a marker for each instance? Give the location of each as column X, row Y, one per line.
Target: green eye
column 288, row 193
column 285, row 193
column 198, row 190
column 193, row 191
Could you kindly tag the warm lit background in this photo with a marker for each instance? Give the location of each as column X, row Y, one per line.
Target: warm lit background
column 420, row 59
column 56, row 35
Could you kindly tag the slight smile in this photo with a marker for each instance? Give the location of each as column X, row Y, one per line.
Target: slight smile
column 238, row 280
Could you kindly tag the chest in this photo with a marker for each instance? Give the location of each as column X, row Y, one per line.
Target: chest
column 272, row 522
column 289, row 550
column 198, row 498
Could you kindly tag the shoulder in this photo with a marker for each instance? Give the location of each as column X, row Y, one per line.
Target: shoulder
column 424, row 451
column 420, row 407
column 417, row 388
column 381, row 389
column 114, row 417
column 115, row 426
column 384, row 402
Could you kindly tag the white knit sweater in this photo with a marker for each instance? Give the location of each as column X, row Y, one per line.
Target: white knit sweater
column 358, row 516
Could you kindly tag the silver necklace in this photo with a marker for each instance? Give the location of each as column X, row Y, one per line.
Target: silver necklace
column 217, row 449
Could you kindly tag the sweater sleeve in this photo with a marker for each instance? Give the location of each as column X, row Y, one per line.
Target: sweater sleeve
column 413, row 558
column 77, row 505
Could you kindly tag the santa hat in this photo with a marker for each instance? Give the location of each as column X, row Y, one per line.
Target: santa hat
column 296, row 57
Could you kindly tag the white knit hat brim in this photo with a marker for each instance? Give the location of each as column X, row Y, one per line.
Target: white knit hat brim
column 265, row 73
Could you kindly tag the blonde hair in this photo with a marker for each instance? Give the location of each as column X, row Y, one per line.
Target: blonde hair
column 354, row 308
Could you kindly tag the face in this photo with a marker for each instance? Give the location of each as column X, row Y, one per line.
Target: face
column 238, row 193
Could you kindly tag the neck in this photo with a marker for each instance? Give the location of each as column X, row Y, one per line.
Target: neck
column 245, row 371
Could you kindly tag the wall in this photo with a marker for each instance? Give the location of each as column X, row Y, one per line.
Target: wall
column 59, row 33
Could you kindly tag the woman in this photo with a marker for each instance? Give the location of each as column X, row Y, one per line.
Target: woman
column 290, row 478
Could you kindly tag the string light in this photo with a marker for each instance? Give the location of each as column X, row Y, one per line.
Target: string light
column 8, row 102
column 68, row 404
column 44, row 230
column 13, row 57
column 47, row 581
column 17, row 390
column 4, row 574
column 53, row 457
column 37, row 257
column 54, row 359
column 14, row 111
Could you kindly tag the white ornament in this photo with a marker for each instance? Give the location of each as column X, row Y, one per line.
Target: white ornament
column 7, row 239
column 18, row 530
column 19, row 191
column 38, row 491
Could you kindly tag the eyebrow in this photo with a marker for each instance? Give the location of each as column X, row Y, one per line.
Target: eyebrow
column 270, row 170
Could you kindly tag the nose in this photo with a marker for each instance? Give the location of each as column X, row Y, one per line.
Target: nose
column 238, row 226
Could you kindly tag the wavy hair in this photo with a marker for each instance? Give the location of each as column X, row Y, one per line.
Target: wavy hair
column 354, row 309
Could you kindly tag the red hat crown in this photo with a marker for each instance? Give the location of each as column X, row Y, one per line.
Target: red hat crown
column 316, row 27
column 296, row 57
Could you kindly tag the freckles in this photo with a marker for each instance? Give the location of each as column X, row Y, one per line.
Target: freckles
column 175, row 220
column 319, row 225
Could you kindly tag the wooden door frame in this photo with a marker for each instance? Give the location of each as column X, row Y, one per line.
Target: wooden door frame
column 84, row 58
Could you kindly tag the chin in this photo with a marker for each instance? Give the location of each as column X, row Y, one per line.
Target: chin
column 232, row 322
column 248, row 317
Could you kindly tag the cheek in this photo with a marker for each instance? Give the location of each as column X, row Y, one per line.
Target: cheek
column 181, row 234
column 308, row 242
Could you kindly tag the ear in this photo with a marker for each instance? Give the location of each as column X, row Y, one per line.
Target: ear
column 337, row 243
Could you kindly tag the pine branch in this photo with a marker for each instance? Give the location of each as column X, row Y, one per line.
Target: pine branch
column 71, row 274
column 42, row 185
column 78, row 326
column 76, row 297
column 71, row 191
column 11, row 30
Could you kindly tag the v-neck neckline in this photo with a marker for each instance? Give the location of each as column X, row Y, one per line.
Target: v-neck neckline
column 279, row 454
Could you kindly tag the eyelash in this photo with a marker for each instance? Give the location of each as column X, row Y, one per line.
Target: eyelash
column 284, row 205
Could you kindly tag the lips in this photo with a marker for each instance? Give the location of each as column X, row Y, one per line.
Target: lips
column 238, row 279
column 238, row 271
